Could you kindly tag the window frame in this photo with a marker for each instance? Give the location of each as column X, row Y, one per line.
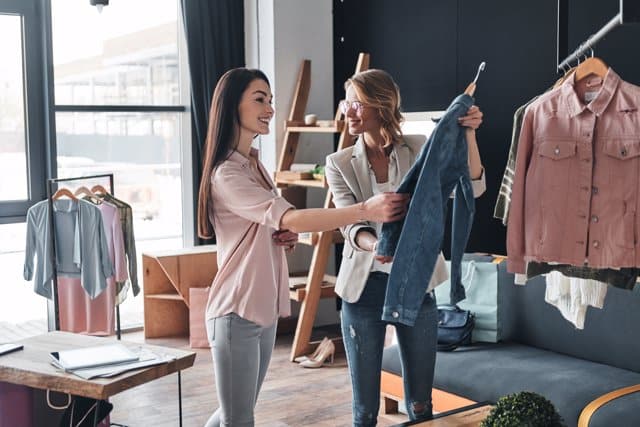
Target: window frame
column 37, row 120
column 40, row 111
column 188, row 220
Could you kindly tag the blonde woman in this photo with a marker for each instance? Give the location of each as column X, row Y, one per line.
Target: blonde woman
column 376, row 164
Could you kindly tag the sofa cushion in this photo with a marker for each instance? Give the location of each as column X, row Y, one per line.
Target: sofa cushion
column 486, row 372
column 617, row 412
column 610, row 334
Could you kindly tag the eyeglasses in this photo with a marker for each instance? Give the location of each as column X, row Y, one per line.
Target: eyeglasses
column 357, row 106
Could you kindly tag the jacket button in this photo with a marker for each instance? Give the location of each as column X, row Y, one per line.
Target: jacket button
column 395, row 314
column 595, row 190
column 594, row 218
column 596, row 244
column 623, row 152
column 556, row 151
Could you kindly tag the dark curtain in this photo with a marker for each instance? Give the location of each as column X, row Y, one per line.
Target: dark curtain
column 214, row 30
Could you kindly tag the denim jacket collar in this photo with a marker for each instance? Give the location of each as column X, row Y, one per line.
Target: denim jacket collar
column 575, row 106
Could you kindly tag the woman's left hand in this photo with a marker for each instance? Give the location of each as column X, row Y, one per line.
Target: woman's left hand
column 285, row 238
column 473, row 119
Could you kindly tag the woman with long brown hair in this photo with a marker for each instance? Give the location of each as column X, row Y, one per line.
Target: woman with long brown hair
column 253, row 225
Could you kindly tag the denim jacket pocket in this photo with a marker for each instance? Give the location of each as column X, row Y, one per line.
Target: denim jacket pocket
column 621, row 155
column 556, row 157
column 622, row 148
column 557, row 149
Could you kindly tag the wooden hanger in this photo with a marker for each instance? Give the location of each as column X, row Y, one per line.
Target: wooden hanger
column 99, row 189
column 85, row 191
column 591, row 65
column 562, row 79
column 62, row 192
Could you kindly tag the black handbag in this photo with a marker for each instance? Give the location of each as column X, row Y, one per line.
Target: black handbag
column 454, row 327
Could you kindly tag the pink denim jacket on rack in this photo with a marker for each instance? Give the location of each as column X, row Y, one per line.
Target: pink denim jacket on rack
column 576, row 187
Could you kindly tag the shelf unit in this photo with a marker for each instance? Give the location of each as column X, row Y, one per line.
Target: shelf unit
column 167, row 278
column 317, row 284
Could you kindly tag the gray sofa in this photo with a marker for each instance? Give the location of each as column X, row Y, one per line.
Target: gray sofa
column 543, row 353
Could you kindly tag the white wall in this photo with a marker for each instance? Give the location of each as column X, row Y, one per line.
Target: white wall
column 280, row 34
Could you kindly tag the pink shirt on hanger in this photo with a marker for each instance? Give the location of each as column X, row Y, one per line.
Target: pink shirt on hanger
column 253, row 278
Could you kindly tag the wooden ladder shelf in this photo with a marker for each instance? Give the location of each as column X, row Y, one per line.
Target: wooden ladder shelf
column 318, row 285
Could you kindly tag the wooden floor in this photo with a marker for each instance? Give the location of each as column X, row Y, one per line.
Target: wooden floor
column 291, row 395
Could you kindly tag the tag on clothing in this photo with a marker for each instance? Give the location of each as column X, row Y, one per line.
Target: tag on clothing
column 594, row 81
column 590, row 96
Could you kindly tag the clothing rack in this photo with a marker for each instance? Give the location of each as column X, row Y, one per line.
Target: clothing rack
column 629, row 14
column 50, row 192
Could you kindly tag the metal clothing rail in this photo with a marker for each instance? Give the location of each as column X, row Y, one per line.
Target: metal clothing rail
column 50, row 192
column 591, row 41
column 629, row 13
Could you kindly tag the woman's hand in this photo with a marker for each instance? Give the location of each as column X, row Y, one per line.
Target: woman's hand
column 385, row 207
column 383, row 259
column 473, row 119
column 285, row 238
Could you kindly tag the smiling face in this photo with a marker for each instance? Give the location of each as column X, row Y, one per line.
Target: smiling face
column 365, row 120
column 255, row 110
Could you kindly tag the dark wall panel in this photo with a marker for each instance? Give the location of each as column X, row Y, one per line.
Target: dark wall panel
column 518, row 42
column 619, row 48
column 415, row 41
column 433, row 48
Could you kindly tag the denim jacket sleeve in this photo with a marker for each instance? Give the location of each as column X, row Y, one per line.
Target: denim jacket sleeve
column 343, row 196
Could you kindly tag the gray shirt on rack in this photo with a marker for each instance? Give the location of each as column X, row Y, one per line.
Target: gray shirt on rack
column 81, row 246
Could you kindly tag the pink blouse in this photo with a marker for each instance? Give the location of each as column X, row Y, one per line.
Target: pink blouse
column 253, row 278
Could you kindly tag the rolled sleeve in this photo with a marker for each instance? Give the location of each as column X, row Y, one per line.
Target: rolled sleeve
column 479, row 185
column 352, row 231
column 247, row 198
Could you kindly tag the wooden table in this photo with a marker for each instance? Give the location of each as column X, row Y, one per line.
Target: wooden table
column 31, row 367
column 468, row 416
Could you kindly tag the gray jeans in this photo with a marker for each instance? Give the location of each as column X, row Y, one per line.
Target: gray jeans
column 241, row 353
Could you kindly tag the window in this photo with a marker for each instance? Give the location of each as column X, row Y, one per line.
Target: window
column 120, row 85
column 120, row 102
column 21, row 110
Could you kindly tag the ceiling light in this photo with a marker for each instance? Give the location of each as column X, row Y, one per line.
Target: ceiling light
column 99, row 4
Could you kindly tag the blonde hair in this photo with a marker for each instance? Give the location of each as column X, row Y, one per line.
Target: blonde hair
column 377, row 89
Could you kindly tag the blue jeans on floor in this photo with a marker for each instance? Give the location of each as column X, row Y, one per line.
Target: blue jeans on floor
column 363, row 333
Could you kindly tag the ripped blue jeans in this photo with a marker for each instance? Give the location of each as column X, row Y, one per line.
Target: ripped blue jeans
column 363, row 333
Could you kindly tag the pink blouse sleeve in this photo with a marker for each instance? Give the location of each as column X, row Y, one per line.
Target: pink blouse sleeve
column 245, row 197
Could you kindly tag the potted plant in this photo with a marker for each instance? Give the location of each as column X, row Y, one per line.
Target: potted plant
column 523, row 409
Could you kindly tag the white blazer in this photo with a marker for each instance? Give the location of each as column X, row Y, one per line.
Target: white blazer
column 347, row 173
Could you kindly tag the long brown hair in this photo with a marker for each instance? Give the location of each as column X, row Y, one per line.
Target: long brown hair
column 377, row 89
column 222, row 134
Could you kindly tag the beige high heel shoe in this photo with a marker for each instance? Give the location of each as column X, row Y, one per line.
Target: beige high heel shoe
column 313, row 355
column 327, row 352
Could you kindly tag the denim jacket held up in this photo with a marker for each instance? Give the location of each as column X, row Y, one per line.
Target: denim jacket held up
column 415, row 242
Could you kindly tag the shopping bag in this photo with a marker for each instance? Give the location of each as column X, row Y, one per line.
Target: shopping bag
column 480, row 281
column 16, row 402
